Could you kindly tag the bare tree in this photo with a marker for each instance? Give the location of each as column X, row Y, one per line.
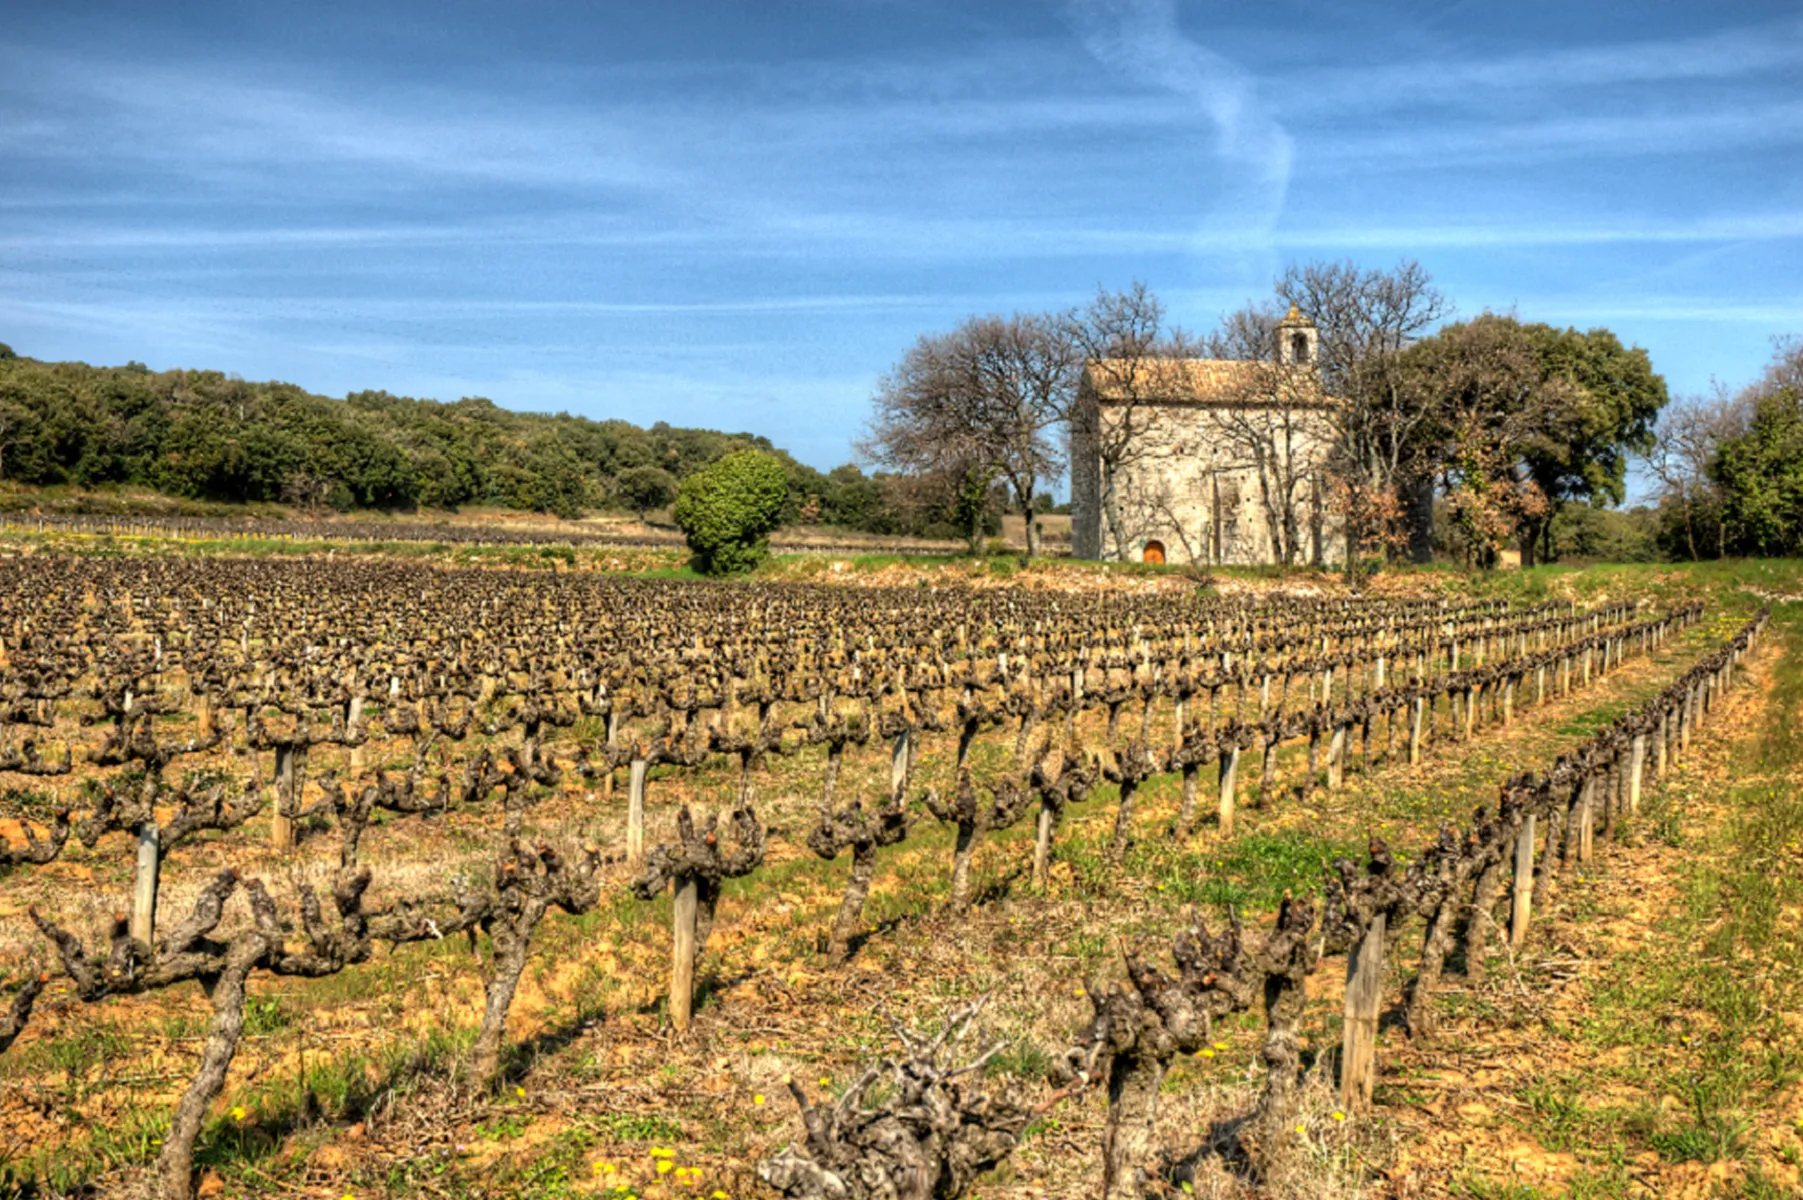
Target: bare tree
column 1689, row 432
column 1117, row 413
column 1366, row 318
column 983, row 398
column 1278, row 423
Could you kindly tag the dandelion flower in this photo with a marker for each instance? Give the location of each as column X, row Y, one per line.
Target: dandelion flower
column 1220, row 1045
column 826, row 1081
column 758, row 1099
column 1339, row 1116
column 238, row 1113
column 1205, row 1054
column 520, row 1092
column 664, row 1166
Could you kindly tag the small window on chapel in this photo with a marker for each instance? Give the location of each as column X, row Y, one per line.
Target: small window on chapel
column 1299, row 347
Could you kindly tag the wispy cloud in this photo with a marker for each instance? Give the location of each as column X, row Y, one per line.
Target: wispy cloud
column 1141, row 39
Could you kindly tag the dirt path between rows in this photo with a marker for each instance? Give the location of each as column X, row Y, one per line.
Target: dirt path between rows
column 1470, row 1113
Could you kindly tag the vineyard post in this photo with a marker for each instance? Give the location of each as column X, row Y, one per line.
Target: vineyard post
column 1042, row 845
column 1336, row 757
column 1364, row 995
column 613, row 739
column 635, row 810
column 1470, row 710
column 1587, row 820
column 1659, row 742
column 1508, row 701
column 1636, row 765
column 1230, row 769
column 898, row 763
column 1416, row 711
column 353, row 721
column 682, row 950
column 281, row 829
column 1521, row 911
column 1686, row 714
column 144, row 884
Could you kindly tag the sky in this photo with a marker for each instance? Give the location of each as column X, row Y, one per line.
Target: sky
column 740, row 214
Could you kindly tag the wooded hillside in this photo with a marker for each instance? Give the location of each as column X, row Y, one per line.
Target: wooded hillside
column 205, row 435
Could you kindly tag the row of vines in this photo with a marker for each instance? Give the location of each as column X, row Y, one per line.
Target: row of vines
column 157, row 706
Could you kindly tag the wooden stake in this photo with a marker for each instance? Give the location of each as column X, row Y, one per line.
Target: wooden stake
column 1587, row 822
column 682, row 951
column 898, row 763
column 1636, row 765
column 1230, row 769
column 635, row 813
column 1521, row 911
column 1416, row 710
column 144, row 885
column 281, row 829
column 1364, row 994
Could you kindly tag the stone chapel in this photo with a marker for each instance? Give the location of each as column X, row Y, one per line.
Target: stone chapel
column 1210, row 461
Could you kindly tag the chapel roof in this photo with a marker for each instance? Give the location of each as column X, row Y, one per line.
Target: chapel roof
column 1199, row 381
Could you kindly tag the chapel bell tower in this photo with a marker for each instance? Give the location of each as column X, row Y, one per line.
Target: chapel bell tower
column 1297, row 340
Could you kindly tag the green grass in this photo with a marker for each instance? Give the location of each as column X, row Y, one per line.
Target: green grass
column 1701, row 1008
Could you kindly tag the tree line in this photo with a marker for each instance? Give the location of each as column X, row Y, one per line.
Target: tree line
column 1490, row 425
column 1730, row 467
column 209, row 436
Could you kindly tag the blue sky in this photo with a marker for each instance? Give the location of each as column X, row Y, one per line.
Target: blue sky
column 738, row 215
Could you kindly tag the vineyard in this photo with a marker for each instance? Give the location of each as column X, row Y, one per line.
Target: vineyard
column 365, row 877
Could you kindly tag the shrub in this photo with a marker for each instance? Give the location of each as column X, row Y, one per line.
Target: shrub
column 727, row 511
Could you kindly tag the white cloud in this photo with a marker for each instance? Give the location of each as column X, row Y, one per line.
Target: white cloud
column 1141, row 39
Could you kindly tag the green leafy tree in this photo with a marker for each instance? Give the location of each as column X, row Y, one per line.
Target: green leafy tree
column 729, row 509
column 1529, row 418
column 1760, row 474
column 646, row 488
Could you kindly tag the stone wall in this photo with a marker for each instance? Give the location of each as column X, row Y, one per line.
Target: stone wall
column 1193, row 482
